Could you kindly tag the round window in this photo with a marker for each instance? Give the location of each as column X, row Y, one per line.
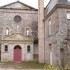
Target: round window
column 17, row 18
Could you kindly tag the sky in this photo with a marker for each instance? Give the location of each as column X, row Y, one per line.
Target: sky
column 33, row 3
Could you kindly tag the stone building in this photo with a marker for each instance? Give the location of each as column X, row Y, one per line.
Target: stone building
column 28, row 34
column 18, row 32
column 57, row 32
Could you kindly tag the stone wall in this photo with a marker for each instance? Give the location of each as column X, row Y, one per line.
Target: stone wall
column 59, row 33
column 28, row 18
column 9, row 55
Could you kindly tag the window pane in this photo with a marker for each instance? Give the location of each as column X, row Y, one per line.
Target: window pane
column 7, row 31
column 68, row 15
column 28, row 48
column 27, row 31
column 6, row 48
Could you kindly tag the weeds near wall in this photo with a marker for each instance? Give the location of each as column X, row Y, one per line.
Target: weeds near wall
column 51, row 67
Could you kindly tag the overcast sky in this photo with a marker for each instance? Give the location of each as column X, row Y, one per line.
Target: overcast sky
column 33, row 3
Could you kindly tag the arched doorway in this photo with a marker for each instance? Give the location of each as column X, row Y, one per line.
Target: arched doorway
column 17, row 53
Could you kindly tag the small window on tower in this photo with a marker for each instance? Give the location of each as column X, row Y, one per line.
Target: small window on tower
column 7, row 31
column 6, row 48
column 27, row 32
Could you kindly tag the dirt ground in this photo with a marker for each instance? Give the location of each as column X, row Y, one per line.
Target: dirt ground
column 21, row 66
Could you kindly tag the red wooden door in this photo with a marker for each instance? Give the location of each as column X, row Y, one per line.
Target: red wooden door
column 17, row 55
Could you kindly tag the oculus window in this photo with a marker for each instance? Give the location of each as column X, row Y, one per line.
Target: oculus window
column 17, row 18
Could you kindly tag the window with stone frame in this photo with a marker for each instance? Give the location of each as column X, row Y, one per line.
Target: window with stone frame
column 55, row 26
column 7, row 31
column 28, row 48
column 17, row 18
column 50, row 25
column 6, row 48
column 27, row 32
column 68, row 22
column 68, row 15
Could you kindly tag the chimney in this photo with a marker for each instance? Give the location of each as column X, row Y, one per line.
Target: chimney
column 41, row 31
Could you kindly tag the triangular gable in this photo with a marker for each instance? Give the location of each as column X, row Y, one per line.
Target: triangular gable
column 18, row 5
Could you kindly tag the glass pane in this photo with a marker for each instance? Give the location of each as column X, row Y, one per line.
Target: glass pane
column 28, row 48
column 6, row 48
column 7, row 31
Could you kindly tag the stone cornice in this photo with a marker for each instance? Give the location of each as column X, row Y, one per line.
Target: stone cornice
column 17, row 11
column 56, row 7
column 15, row 41
column 20, row 9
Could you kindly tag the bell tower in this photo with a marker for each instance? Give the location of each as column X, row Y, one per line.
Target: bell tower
column 41, row 31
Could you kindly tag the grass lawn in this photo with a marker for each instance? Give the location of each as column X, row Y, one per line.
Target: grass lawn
column 23, row 65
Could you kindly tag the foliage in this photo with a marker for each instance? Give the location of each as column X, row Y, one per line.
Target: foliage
column 52, row 67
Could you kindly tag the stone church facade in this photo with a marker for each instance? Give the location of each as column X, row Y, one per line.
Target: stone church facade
column 17, row 32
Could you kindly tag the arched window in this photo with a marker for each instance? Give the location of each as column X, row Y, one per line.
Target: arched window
column 7, row 31
column 27, row 32
column 28, row 48
column 6, row 48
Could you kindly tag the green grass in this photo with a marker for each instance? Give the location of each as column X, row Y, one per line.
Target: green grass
column 23, row 65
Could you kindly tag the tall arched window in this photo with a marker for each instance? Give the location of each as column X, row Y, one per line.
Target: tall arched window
column 7, row 31
column 27, row 32
column 28, row 48
column 6, row 48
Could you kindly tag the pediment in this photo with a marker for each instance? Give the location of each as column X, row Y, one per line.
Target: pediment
column 18, row 5
column 17, row 37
